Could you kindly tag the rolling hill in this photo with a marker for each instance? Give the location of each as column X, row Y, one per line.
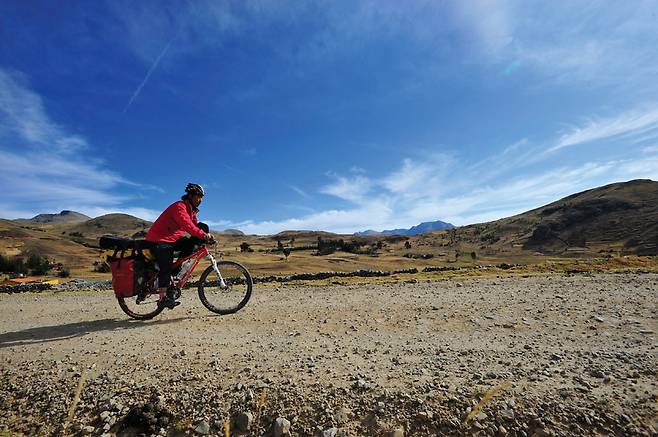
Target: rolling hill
column 63, row 217
column 619, row 217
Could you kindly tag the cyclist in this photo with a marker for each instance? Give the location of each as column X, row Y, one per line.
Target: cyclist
column 167, row 235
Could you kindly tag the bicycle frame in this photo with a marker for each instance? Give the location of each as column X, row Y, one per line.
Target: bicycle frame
column 196, row 256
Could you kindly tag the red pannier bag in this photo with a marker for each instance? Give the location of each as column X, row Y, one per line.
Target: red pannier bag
column 123, row 276
column 127, row 264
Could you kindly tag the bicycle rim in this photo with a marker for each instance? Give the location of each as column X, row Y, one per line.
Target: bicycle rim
column 229, row 298
column 144, row 310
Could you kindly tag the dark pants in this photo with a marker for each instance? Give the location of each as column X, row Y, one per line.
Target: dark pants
column 164, row 254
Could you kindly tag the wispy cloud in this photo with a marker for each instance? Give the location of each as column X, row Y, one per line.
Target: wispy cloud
column 441, row 187
column 472, row 204
column 299, row 191
column 46, row 176
column 611, row 45
column 22, row 113
column 597, row 44
column 148, row 75
column 353, row 189
column 629, row 124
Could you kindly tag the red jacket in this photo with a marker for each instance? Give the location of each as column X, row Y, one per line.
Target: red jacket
column 178, row 218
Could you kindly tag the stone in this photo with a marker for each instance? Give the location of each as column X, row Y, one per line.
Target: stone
column 243, row 421
column 202, row 428
column 331, row 432
column 342, row 416
column 507, row 414
column 397, row 432
column 281, row 427
column 502, row 432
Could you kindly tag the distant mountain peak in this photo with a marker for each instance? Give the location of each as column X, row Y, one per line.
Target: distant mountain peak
column 64, row 216
column 414, row 230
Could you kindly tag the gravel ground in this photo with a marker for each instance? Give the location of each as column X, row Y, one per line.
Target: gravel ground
column 552, row 355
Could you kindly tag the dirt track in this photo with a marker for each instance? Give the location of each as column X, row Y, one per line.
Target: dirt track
column 568, row 355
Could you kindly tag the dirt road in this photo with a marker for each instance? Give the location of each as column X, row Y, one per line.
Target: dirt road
column 561, row 355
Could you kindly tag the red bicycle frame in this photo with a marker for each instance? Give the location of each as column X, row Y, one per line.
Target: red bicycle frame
column 196, row 257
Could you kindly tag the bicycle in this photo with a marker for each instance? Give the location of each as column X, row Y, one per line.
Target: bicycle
column 224, row 287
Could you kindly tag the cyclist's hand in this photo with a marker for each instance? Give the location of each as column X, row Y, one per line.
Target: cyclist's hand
column 210, row 239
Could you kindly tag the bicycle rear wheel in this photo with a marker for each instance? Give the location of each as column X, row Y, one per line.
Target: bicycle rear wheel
column 144, row 309
column 231, row 297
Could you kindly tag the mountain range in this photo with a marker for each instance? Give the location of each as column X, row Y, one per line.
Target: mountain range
column 414, row 230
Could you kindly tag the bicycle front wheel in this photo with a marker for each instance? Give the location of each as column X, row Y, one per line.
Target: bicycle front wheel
column 232, row 295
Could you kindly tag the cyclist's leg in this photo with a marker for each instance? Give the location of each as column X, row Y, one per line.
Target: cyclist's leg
column 164, row 257
column 185, row 246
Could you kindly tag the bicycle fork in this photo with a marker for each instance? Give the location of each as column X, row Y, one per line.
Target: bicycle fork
column 222, row 284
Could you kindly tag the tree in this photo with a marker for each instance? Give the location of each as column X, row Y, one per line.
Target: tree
column 39, row 265
column 286, row 252
column 244, row 247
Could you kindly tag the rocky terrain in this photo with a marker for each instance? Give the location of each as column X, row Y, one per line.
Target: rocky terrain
column 523, row 356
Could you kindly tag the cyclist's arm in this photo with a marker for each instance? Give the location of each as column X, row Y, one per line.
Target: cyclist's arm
column 183, row 220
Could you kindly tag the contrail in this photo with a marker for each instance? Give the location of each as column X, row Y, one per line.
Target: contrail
column 148, row 74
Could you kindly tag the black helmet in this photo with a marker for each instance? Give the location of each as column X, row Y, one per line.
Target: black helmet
column 193, row 189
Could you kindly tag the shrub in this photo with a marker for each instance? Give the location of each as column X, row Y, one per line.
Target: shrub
column 326, row 247
column 101, row 267
column 39, row 265
column 64, row 273
column 244, row 247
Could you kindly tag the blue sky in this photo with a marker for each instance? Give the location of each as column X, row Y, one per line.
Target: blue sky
column 339, row 116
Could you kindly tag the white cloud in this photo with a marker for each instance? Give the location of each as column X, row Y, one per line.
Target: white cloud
column 408, row 177
column 629, row 124
column 475, row 203
column 22, row 113
column 597, row 44
column 46, row 175
column 352, row 189
column 491, row 23
column 341, row 221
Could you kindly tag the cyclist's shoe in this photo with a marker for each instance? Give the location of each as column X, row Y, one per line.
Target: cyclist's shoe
column 169, row 301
